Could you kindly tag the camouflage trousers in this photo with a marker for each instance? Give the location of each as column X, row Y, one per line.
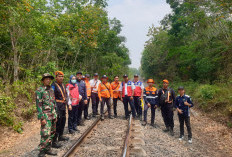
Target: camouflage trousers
column 47, row 133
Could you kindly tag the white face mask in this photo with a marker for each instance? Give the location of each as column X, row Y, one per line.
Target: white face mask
column 73, row 81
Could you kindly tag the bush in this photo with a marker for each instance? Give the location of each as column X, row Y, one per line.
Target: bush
column 207, row 92
column 6, row 111
column 28, row 113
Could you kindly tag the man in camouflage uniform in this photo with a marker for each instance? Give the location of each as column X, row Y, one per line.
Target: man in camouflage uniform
column 46, row 107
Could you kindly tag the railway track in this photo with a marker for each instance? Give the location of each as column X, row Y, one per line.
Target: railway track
column 116, row 142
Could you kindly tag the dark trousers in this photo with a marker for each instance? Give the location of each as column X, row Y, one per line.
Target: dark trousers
column 137, row 102
column 86, row 108
column 127, row 100
column 185, row 119
column 72, row 118
column 61, row 119
column 80, row 111
column 115, row 102
column 107, row 102
column 167, row 114
column 95, row 102
column 152, row 113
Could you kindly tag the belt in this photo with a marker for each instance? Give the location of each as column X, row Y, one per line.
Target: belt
column 151, row 97
column 62, row 101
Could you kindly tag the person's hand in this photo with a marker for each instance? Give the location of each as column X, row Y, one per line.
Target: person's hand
column 80, row 97
column 69, row 107
column 86, row 102
column 149, row 105
column 180, row 111
column 186, row 103
column 101, row 100
column 121, row 99
column 131, row 97
column 43, row 122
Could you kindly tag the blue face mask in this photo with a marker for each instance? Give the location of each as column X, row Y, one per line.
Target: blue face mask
column 73, row 81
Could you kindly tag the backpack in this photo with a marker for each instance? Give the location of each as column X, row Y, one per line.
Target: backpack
column 164, row 96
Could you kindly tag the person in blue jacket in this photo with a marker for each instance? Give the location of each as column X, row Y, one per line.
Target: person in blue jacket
column 183, row 104
column 151, row 101
column 84, row 100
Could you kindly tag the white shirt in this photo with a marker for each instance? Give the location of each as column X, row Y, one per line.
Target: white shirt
column 132, row 86
column 94, row 84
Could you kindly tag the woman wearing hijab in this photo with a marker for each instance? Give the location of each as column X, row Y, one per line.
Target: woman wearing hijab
column 73, row 102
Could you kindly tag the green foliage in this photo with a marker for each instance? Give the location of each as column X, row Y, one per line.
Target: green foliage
column 18, row 127
column 28, row 113
column 6, row 111
column 207, row 92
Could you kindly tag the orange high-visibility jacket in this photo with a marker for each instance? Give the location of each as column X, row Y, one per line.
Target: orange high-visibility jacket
column 115, row 87
column 88, row 88
column 105, row 90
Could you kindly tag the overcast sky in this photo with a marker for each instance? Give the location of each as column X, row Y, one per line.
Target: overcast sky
column 136, row 17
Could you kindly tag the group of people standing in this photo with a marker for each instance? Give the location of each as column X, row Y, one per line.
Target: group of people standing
column 52, row 101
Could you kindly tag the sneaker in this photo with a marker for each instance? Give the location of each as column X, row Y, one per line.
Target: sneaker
column 50, row 152
column 111, row 117
column 62, row 138
column 144, row 123
column 94, row 115
column 181, row 137
column 87, row 118
column 171, row 132
column 71, row 131
column 97, row 113
column 166, row 130
column 115, row 116
column 153, row 125
column 190, row 141
column 102, row 118
column 76, row 130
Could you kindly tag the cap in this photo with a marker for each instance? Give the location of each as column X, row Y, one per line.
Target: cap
column 150, row 81
column 104, row 76
column 125, row 75
column 59, row 73
column 181, row 88
column 87, row 75
column 136, row 75
column 165, row 81
column 95, row 74
column 47, row 75
column 79, row 73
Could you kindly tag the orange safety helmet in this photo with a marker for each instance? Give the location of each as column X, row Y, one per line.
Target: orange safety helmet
column 59, row 73
column 150, row 81
column 166, row 81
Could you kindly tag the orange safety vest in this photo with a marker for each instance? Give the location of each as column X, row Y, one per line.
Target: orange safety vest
column 105, row 90
column 115, row 87
column 88, row 88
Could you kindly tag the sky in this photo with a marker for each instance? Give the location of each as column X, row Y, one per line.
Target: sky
column 136, row 17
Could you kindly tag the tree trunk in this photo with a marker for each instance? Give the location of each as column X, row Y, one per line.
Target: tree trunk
column 15, row 51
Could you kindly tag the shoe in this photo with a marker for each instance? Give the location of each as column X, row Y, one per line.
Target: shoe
column 111, row 117
column 97, row 113
column 115, row 116
column 62, row 138
column 87, row 118
column 181, row 137
column 126, row 117
column 144, row 123
column 41, row 154
column 171, row 132
column 166, row 130
column 76, row 130
column 190, row 141
column 102, row 118
column 94, row 115
column 153, row 125
column 71, row 131
column 56, row 145
column 82, row 124
column 50, row 152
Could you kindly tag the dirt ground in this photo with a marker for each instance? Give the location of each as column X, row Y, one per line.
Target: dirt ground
column 210, row 138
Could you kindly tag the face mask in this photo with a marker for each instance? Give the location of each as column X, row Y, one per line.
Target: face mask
column 73, row 81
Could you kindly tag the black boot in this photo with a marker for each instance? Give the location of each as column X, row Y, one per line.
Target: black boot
column 153, row 125
column 41, row 153
column 55, row 143
column 50, row 152
column 62, row 138
column 144, row 123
